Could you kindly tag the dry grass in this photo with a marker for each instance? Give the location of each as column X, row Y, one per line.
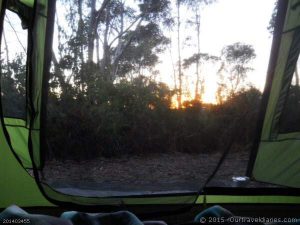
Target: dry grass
column 154, row 173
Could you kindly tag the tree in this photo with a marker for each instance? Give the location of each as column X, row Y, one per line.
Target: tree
column 235, row 62
column 195, row 7
column 179, row 96
column 118, row 27
column 101, row 89
column 271, row 25
column 142, row 51
column 196, row 59
column 13, row 70
column 13, row 91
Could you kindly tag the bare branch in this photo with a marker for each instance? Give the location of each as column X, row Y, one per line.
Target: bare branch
column 126, row 30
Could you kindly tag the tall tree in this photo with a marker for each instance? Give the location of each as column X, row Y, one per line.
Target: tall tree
column 195, row 6
column 236, row 58
column 196, row 59
column 120, row 28
column 115, row 25
column 179, row 96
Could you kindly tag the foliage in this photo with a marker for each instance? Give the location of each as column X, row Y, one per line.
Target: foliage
column 197, row 57
column 238, row 53
column 136, row 118
column 235, row 63
column 13, row 91
column 271, row 24
column 142, row 52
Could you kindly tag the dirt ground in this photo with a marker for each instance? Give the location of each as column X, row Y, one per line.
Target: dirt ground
column 158, row 173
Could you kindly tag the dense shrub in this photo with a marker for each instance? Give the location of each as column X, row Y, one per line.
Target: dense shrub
column 136, row 117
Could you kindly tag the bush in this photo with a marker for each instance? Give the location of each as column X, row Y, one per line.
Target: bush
column 135, row 117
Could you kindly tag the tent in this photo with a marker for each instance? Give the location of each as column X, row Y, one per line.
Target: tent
column 274, row 158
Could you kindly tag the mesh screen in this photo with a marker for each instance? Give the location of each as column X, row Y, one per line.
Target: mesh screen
column 290, row 118
column 127, row 113
column 13, row 67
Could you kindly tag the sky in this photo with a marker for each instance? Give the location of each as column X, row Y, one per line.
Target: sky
column 222, row 23
column 16, row 37
column 226, row 22
column 246, row 21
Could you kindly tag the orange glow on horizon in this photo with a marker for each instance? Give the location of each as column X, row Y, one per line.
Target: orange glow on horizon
column 207, row 98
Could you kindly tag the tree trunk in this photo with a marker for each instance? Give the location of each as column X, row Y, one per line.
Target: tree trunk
column 98, row 50
column 120, row 51
column 80, row 30
column 179, row 96
column 120, row 44
column 91, row 29
column 197, row 92
column 93, row 25
column 105, row 65
column 59, row 74
column 297, row 75
column 173, row 65
column 6, row 51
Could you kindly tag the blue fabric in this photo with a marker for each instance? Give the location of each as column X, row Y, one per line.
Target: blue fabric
column 117, row 218
column 217, row 211
column 16, row 215
column 214, row 211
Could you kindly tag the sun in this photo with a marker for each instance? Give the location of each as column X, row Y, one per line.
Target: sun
column 209, row 97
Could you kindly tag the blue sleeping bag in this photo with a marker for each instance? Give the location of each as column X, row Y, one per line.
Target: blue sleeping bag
column 16, row 215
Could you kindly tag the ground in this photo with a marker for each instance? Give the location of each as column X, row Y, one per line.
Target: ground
column 157, row 173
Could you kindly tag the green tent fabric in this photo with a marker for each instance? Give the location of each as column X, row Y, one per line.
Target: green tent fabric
column 278, row 158
column 23, row 9
column 16, row 185
column 18, row 129
column 29, row 3
column 18, row 133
